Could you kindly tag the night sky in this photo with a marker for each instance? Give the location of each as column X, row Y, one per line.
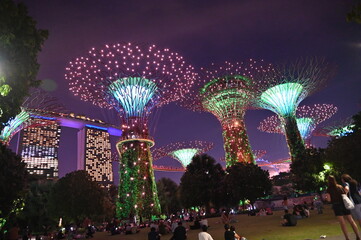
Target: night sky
column 203, row 32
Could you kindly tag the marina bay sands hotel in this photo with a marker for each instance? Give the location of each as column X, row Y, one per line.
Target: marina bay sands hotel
column 38, row 145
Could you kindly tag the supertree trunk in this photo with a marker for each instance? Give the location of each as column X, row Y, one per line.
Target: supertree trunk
column 294, row 139
column 148, row 188
column 236, row 143
column 137, row 189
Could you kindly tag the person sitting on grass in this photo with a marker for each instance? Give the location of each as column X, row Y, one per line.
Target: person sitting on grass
column 196, row 224
column 153, row 234
column 204, row 222
column 289, row 219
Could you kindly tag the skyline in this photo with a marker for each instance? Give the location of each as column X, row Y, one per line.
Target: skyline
column 205, row 32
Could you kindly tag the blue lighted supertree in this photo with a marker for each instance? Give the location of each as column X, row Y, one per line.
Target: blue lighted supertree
column 133, row 79
column 308, row 117
column 283, row 89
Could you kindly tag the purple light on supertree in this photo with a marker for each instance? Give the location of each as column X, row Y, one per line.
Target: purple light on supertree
column 182, row 151
column 307, row 117
column 226, row 91
column 133, row 79
column 37, row 103
column 283, row 89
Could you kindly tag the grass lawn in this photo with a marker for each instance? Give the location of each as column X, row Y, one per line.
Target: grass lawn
column 259, row 228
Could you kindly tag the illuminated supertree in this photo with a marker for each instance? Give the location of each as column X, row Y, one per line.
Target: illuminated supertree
column 226, row 91
column 336, row 129
column 37, row 103
column 182, row 151
column 257, row 154
column 283, row 89
column 133, row 79
column 308, row 117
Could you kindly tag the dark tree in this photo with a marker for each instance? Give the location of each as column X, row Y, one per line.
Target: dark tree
column 168, row 196
column 20, row 43
column 283, row 178
column 13, row 179
column 308, row 172
column 355, row 14
column 36, row 211
column 75, row 197
column 200, row 184
column 344, row 153
column 246, row 181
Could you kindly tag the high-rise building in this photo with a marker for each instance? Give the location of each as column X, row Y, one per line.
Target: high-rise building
column 94, row 154
column 39, row 149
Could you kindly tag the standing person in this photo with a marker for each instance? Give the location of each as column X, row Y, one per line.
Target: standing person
column 285, row 203
column 153, row 235
column 204, row 235
column 236, row 236
column 180, row 232
column 225, row 217
column 351, row 188
column 335, row 192
column 228, row 234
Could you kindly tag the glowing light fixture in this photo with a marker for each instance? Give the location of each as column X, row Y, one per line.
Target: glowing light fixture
column 283, row 98
column 133, row 93
column 185, row 156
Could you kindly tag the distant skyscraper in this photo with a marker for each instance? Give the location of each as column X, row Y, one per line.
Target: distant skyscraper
column 39, row 149
column 94, row 154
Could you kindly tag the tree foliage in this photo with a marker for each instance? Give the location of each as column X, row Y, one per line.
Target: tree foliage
column 246, row 181
column 36, row 210
column 168, row 196
column 308, row 173
column 13, row 179
column 200, row 184
column 344, row 153
column 355, row 14
column 20, row 43
column 283, row 178
column 75, row 197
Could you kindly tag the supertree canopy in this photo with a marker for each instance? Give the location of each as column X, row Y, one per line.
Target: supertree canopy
column 133, row 79
column 283, row 89
column 307, row 118
column 336, row 129
column 226, row 91
column 38, row 102
column 182, row 151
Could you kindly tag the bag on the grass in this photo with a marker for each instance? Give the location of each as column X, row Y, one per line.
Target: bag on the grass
column 347, row 202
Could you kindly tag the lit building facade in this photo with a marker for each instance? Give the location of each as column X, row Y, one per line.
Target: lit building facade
column 94, row 154
column 39, row 149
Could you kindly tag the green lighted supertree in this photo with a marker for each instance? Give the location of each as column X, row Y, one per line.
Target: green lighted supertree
column 336, row 129
column 133, row 79
column 38, row 102
column 283, row 89
column 226, row 91
column 308, row 117
column 183, row 152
